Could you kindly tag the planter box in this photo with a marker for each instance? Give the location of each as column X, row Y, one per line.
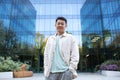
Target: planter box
column 111, row 73
column 6, row 74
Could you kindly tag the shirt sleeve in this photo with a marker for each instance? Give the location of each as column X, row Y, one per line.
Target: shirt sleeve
column 74, row 57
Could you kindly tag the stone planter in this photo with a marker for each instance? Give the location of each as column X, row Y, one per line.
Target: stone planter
column 6, row 74
column 110, row 73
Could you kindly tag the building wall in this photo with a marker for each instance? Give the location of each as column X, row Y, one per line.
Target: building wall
column 20, row 16
column 97, row 16
column 100, row 30
column 111, row 18
column 90, row 18
column 50, row 10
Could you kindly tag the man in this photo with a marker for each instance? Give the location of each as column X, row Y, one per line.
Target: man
column 61, row 54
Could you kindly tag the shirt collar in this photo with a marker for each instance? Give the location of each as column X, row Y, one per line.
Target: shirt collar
column 63, row 35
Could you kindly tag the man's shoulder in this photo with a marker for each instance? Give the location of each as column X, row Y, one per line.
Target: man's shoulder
column 70, row 35
column 51, row 36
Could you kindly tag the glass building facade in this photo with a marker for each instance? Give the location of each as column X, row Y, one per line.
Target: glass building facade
column 17, row 29
column 48, row 11
column 100, row 31
column 32, row 21
column 20, row 17
column 26, row 24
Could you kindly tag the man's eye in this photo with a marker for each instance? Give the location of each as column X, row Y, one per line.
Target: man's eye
column 61, row 23
column 58, row 23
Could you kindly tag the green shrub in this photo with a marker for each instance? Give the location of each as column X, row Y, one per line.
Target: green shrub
column 7, row 64
column 118, row 63
column 97, row 68
column 112, row 65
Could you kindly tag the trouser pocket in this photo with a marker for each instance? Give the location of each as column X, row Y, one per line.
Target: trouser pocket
column 67, row 75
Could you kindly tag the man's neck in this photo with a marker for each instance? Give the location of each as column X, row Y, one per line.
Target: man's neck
column 60, row 33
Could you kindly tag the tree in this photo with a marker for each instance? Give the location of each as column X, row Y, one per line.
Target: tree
column 39, row 40
column 2, row 32
column 8, row 41
column 116, row 41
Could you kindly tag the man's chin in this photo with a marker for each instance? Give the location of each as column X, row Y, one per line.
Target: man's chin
column 61, row 31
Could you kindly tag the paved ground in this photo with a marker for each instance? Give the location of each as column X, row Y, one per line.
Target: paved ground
column 82, row 76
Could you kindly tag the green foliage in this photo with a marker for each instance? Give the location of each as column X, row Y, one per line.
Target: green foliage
column 9, row 65
column 97, row 67
column 68, row 32
column 108, row 62
column 8, row 40
column 111, row 62
column 107, row 33
column 118, row 63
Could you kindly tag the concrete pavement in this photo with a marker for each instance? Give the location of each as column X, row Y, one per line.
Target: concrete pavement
column 81, row 76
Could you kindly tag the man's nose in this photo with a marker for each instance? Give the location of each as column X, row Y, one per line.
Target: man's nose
column 60, row 24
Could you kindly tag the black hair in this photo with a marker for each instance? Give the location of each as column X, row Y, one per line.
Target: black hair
column 61, row 18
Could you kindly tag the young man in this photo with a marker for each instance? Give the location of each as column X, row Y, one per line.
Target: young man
column 61, row 54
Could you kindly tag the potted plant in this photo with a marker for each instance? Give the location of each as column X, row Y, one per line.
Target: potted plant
column 7, row 66
column 110, row 68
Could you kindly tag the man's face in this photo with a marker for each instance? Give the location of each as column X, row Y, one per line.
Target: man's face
column 60, row 26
